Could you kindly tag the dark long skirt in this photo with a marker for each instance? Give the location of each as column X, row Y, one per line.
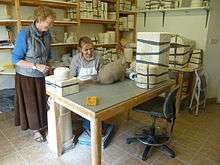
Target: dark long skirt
column 30, row 110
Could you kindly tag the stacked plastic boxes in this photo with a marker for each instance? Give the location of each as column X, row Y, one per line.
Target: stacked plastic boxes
column 196, row 58
column 62, row 87
column 93, row 9
column 159, row 4
column 180, row 51
column 152, row 58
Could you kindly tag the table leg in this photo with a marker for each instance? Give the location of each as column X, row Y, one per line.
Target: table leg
column 128, row 113
column 179, row 96
column 55, row 138
column 96, row 128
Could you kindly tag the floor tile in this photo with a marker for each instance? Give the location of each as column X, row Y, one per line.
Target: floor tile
column 195, row 140
column 12, row 159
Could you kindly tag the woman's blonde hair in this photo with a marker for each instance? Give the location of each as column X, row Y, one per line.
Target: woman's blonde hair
column 42, row 12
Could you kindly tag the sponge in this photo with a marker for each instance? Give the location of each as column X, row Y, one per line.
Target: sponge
column 91, row 101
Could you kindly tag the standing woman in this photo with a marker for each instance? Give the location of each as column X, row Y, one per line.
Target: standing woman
column 30, row 55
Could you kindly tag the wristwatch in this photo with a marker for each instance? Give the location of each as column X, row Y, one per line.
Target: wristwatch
column 34, row 67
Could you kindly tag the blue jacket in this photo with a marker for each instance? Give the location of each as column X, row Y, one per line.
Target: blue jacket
column 30, row 47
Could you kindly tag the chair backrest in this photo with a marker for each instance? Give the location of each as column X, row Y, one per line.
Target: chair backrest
column 169, row 107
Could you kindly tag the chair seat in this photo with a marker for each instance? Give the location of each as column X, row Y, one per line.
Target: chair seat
column 152, row 107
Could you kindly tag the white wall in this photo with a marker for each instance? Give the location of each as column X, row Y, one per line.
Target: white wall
column 212, row 58
column 192, row 25
column 188, row 24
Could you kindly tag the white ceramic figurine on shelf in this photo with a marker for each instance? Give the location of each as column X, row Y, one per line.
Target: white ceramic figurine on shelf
column 65, row 37
column 72, row 38
column 54, row 37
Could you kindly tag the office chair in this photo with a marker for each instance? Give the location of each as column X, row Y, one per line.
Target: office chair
column 153, row 136
column 199, row 91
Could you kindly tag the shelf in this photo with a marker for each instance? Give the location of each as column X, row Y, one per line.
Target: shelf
column 126, row 29
column 186, row 69
column 53, row 4
column 127, row 12
column 8, row 22
column 8, row 72
column 109, row 1
column 183, row 9
column 64, row 44
column 6, row 47
column 52, row 45
column 57, row 23
column 175, row 9
column 97, row 21
column 6, row 2
column 113, row 45
column 27, row 22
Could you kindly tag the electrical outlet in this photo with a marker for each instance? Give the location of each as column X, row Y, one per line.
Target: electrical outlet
column 213, row 41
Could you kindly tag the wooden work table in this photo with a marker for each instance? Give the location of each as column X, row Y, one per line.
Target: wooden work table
column 112, row 99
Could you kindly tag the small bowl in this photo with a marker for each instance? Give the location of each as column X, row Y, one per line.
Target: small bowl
column 61, row 73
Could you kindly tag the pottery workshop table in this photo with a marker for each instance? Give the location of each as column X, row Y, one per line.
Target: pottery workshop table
column 112, row 99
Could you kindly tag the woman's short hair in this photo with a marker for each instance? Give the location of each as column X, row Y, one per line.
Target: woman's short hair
column 84, row 40
column 42, row 12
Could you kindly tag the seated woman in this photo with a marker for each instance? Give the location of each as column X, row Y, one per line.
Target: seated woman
column 86, row 64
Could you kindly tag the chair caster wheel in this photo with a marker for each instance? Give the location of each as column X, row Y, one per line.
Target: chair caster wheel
column 127, row 142
column 131, row 140
column 173, row 155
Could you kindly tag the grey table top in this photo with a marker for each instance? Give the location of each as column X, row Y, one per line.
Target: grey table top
column 107, row 95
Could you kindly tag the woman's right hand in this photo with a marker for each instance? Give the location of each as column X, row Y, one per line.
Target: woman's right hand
column 43, row 68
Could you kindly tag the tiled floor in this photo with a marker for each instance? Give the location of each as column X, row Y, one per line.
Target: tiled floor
column 196, row 141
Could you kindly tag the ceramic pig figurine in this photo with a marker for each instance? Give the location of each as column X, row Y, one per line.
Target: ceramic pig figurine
column 111, row 72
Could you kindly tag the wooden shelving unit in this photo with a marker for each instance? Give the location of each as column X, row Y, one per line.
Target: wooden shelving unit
column 105, row 23
column 19, row 22
column 52, row 4
column 122, row 32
